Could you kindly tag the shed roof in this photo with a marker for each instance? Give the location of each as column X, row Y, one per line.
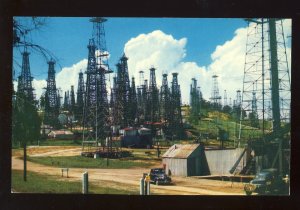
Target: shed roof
column 60, row 132
column 180, row 150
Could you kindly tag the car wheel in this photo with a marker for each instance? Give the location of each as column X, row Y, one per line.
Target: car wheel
column 248, row 192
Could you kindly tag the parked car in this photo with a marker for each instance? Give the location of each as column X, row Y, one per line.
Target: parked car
column 159, row 176
column 267, row 181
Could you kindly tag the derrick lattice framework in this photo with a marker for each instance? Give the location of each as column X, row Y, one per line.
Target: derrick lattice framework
column 153, row 99
column 123, row 92
column 72, row 100
column 165, row 103
column 51, row 97
column 176, row 117
column 96, row 110
column 25, row 78
column 266, row 76
column 215, row 96
column 133, row 103
column 80, row 98
column 141, row 98
column 195, row 100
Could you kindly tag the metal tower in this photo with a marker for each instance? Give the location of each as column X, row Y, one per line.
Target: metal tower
column 225, row 99
column 176, row 118
column 95, row 115
column 266, row 73
column 140, row 101
column 51, row 98
column 195, row 99
column 133, row 103
column 25, row 79
column 165, row 100
column 72, row 100
column 66, row 101
column 80, row 99
column 215, row 97
column 123, row 91
column 153, row 98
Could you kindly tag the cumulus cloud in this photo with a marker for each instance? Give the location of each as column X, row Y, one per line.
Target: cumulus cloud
column 165, row 53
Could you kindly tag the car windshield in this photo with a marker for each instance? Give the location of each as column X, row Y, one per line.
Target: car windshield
column 158, row 170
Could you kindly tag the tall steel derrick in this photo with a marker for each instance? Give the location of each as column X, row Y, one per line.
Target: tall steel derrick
column 152, row 114
column 266, row 86
column 80, row 98
column 25, row 78
column 266, row 77
column 140, row 99
column 123, row 98
column 215, row 96
column 133, row 103
column 176, row 117
column 96, row 110
column 51, row 97
column 72, row 101
column 195, row 101
column 165, row 100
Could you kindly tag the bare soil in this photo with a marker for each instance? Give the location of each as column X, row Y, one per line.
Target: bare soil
column 125, row 178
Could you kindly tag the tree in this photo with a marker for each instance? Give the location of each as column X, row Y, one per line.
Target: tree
column 25, row 123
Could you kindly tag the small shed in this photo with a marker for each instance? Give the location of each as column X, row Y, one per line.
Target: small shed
column 136, row 137
column 185, row 160
column 61, row 134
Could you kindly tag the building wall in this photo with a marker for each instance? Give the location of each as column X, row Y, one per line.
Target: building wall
column 221, row 161
column 177, row 167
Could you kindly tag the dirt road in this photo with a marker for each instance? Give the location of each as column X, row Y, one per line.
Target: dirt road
column 128, row 178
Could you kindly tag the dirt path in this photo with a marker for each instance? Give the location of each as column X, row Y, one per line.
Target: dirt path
column 130, row 177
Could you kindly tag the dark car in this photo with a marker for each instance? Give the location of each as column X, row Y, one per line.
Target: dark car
column 267, row 181
column 159, row 176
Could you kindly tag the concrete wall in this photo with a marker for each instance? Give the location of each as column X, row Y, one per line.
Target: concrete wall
column 178, row 167
column 221, row 161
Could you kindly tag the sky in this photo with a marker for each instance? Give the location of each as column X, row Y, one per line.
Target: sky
column 192, row 47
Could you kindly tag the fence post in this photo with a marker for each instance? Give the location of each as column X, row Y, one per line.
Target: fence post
column 85, row 183
column 142, row 187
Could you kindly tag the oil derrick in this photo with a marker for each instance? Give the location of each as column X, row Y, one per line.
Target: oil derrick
column 95, row 115
column 153, row 101
column 266, row 73
column 25, row 79
column 253, row 114
column 225, row 99
column 72, row 100
column 66, row 101
column 147, row 105
column 176, row 118
column 80, row 99
column 140, row 101
column 115, row 104
column 51, row 98
column 165, row 104
column 237, row 105
column 133, row 103
column 215, row 97
column 195, row 99
column 123, row 91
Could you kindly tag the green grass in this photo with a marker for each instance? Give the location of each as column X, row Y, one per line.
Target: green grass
column 42, row 183
column 85, row 162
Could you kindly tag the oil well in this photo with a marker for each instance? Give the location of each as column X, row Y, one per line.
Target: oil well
column 135, row 112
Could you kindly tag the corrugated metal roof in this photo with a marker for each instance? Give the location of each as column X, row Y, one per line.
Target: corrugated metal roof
column 180, row 150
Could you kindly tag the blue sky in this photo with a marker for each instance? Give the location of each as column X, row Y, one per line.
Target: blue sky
column 193, row 47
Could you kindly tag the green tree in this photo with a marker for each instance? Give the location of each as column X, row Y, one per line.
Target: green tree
column 25, row 123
